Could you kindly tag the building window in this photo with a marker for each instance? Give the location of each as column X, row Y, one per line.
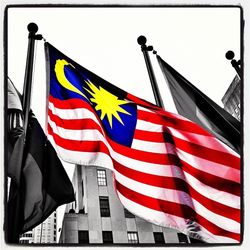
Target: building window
column 107, row 237
column 101, row 177
column 182, row 238
column 128, row 214
column 133, row 238
column 159, row 238
column 24, row 241
column 54, row 238
column 83, row 237
column 82, row 189
column 104, row 206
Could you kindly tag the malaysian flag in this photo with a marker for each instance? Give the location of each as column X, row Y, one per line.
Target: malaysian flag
column 167, row 169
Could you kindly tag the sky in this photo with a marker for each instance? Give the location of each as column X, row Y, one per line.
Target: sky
column 104, row 40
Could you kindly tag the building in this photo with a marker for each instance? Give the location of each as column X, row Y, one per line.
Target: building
column 46, row 231
column 98, row 217
column 27, row 238
column 231, row 99
column 43, row 233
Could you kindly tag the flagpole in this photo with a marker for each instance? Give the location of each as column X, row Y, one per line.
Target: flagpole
column 144, row 48
column 235, row 64
column 32, row 28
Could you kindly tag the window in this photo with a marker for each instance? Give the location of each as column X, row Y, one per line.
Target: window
column 159, row 238
column 104, row 206
column 128, row 214
column 82, row 189
column 133, row 238
column 83, row 237
column 236, row 110
column 24, row 241
column 107, row 237
column 101, row 177
column 182, row 238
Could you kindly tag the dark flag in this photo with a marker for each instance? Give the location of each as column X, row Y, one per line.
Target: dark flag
column 197, row 107
column 39, row 183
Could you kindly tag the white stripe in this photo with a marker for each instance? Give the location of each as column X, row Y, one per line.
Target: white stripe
column 78, row 135
column 205, row 190
column 206, row 141
column 195, row 161
column 209, row 192
column 83, row 158
column 210, row 167
column 171, row 221
column 198, row 163
column 149, row 126
column 154, row 147
column 179, row 197
column 212, row 193
column 150, row 168
column 69, row 114
column 203, row 140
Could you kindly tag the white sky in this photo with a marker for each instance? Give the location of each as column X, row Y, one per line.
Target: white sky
column 104, row 40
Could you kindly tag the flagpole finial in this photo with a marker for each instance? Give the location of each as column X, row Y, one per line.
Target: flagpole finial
column 142, row 40
column 32, row 28
column 236, row 64
column 230, row 55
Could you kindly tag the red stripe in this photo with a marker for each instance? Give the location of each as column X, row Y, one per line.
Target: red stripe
column 169, row 121
column 142, row 102
column 165, row 159
column 211, row 180
column 80, row 146
column 74, row 124
column 72, row 103
column 206, row 178
column 149, row 136
column 210, row 154
column 156, row 158
column 200, row 151
column 176, row 209
column 180, row 185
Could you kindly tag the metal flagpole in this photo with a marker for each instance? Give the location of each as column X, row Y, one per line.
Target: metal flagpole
column 14, row 229
column 236, row 64
column 142, row 41
column 32, row 28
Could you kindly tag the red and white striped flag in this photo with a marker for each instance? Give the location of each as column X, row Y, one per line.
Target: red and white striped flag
column 167, row 169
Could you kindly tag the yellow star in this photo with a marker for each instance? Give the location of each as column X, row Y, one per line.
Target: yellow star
column 108, row 103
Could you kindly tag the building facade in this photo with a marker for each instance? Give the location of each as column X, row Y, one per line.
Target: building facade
column 27, row 238
column 46, row 231
column 231, row 99
column 98, row 217
column 43, row 233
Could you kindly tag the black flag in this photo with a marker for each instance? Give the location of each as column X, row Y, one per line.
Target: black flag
column 197, row 107
column 39, row 183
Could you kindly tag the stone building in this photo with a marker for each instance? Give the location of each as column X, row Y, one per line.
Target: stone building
column 231, row 99
column 43, row 233
column 98, row 217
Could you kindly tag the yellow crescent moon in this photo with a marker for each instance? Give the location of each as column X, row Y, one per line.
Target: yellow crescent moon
column 62, row 79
